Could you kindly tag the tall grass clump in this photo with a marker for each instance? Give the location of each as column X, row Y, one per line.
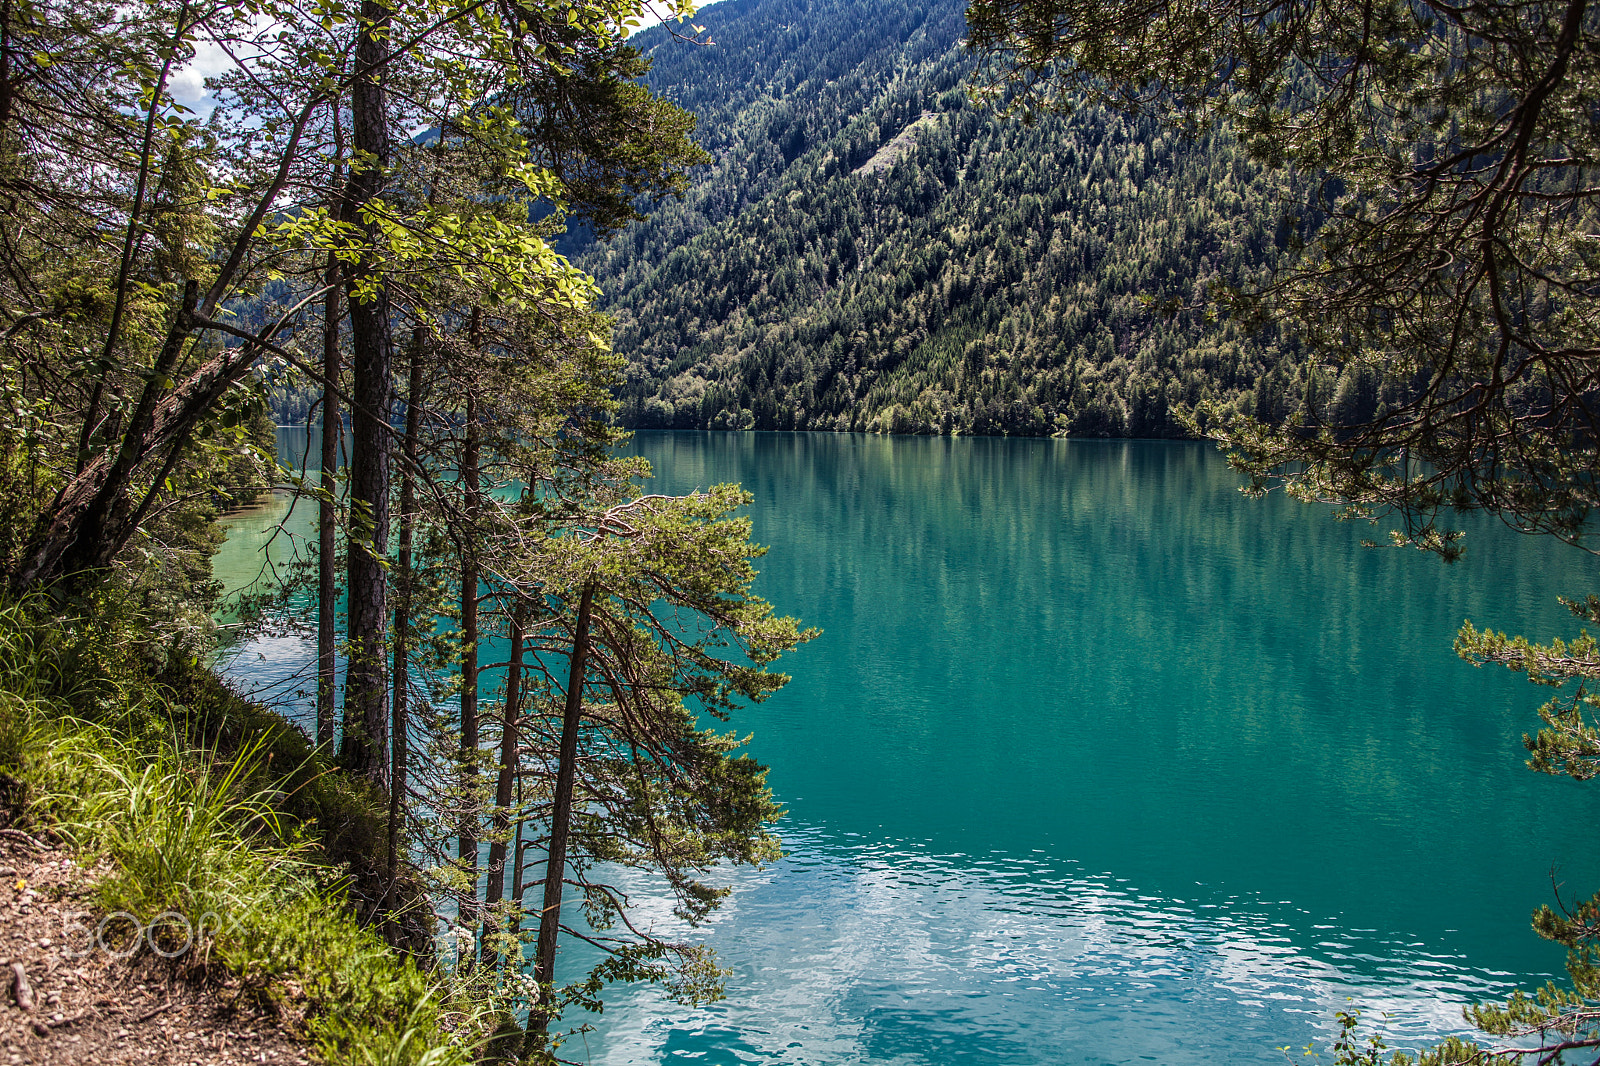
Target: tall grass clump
column 209, row 865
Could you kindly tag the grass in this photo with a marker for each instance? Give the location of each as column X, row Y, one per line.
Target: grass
column 221, row 820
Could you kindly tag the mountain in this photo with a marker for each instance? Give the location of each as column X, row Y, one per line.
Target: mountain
column 870, row 250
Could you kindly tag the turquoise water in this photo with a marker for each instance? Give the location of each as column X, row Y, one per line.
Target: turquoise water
column 1099, row 762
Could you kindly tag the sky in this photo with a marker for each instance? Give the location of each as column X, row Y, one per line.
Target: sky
column 188, row 87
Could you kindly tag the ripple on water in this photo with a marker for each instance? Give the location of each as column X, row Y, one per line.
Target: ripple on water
column 854, row 951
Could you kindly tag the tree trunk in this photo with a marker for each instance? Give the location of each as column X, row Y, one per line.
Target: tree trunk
column 402, row 608
column 99, row 505
column 328, row 514
column 366, row 689
column 494, row 890
column 555, row 870
column 130, row 249
column 468, row 850
column 519, row 848
column 92, row 518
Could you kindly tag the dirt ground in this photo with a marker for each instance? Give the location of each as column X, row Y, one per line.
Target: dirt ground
column 92, row 1007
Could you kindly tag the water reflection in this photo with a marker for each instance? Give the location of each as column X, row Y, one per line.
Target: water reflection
column 1097, row 761
column 882, row 952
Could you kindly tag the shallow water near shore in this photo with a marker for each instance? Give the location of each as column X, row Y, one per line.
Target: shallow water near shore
column 1098, row 761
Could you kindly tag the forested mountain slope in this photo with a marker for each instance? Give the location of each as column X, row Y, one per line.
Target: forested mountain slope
column 872, row 251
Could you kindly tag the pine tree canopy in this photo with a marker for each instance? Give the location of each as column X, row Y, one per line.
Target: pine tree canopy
column 1449, row 296
column 1446, row 299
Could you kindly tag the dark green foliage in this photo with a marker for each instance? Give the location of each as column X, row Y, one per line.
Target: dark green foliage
column 873, row 252
column 605, row 136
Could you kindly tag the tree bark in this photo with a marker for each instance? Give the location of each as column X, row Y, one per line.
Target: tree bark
column 366, row 689
column 130, row 246
column 494, row 890
column 328, row 513
column 402, row 608
column 468, row 842
column 519, row 849
column 555, row 870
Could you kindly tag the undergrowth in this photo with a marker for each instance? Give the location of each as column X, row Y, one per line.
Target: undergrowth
column 218, row 856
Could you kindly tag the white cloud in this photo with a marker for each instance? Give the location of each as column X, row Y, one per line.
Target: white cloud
column 188, row 83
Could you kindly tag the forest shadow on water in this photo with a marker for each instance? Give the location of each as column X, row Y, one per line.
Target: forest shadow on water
column 1099, row 761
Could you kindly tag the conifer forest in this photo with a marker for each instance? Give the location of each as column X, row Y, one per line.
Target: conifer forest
column 429, row 283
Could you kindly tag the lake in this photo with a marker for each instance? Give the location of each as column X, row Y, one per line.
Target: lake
column 1098, row 761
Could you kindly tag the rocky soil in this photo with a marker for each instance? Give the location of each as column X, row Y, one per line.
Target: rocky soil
column 67, row 999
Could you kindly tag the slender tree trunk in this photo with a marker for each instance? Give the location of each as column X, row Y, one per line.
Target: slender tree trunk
column 332, row 434
column 328, row 514
column 469, row 632
column 366, row 689
column 92, row 518
column 468, row 851
column 519, row 850
column 494, row 890
column 519, row 846
column 555, row 870
column 130, row 245
column 402, row 608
